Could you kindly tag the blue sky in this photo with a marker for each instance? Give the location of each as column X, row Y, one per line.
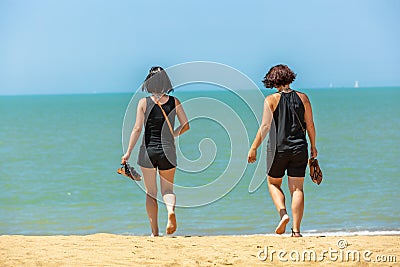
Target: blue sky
column 71, row 46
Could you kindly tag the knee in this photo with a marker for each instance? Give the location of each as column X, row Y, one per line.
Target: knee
column 151, row 194
column 296, row 190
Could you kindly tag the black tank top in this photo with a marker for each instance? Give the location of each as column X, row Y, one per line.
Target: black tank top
column 289, row 133
column 156, row 131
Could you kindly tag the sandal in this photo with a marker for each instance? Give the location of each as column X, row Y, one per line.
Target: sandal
column 129, row 171
column 296, row 234
column 315, row 171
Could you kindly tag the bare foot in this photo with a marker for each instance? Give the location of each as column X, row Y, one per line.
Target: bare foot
column 171, row 226
column 281, row 228
column 153, row 235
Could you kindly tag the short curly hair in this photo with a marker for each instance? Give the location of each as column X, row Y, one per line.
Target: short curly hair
column 279, row 75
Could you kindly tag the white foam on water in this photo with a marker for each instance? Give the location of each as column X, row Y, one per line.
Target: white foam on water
column 343, row 233
column 337, row 233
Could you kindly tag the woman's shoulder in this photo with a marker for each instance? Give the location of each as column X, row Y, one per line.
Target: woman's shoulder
column 177, row 102
column 303, row 96
column 273, row 97
column 300, row 93
column 272, row 100
column 143, row 102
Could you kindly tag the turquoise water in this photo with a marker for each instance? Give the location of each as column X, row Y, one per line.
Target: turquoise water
column 59, row 156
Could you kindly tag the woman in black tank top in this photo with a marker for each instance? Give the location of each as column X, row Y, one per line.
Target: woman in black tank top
column 157, row 151
column 288, row 114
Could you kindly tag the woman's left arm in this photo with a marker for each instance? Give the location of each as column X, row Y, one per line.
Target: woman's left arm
column 183, row 121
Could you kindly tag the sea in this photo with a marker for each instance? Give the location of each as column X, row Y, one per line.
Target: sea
column 59, row 156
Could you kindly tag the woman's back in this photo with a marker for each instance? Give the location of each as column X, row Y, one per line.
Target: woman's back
column 290, row 111
column 289, row 122
column 157, row 152
column 157, row 131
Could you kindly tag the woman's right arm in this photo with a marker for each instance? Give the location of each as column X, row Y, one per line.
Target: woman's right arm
column 137, row 129
column 264, row 128
column 308, row 118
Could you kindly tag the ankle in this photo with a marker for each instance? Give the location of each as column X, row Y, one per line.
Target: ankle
column 296, row 233
column 294, row 230
column 170, row 212
column 155, row 232
column 282, row 212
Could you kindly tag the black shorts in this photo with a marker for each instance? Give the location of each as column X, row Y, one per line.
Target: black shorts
column 294, row 162
column 157, row 157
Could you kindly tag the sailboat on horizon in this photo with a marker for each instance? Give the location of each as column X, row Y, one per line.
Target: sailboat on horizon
column 356, row 84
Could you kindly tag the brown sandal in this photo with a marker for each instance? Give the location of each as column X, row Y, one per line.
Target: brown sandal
column 315, row 171
column 129, row 171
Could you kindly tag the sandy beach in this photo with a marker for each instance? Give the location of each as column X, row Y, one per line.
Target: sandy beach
column 120, row 250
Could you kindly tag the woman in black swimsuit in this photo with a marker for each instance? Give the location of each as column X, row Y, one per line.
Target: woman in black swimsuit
column 158, row 146
column 292, row 114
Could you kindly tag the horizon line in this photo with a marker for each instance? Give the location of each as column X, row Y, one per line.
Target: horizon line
column 187, row 90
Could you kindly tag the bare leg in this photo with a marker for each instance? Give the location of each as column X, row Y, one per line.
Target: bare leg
column 150, row 182
column 167, row 191
column 296, row 191
column 274, row 187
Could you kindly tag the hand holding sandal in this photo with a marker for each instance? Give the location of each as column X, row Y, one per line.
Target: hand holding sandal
column 129, row 171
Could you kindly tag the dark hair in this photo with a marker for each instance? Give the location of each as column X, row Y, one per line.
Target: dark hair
column 157, row 81
column 279, row 75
